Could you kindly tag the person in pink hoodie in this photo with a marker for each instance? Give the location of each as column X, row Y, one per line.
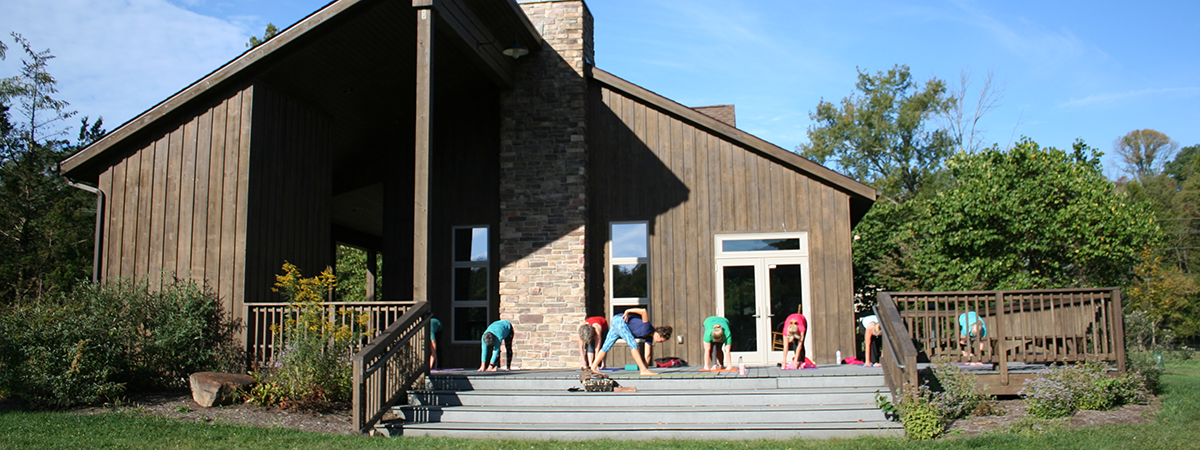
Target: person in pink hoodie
column 795, row 327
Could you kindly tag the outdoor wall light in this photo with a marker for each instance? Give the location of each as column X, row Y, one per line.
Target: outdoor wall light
column 516, row 50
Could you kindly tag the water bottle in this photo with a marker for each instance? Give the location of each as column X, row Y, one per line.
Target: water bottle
column 839, row 356
column 741, row 367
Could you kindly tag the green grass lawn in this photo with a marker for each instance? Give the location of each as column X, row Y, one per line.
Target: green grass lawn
column 1177, row 426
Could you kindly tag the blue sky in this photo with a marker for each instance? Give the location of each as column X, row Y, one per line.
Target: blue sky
column 1069, row 69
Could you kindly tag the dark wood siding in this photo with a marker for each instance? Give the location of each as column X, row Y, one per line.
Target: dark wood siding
column 690, row 184
column 177, row 194
column 288, row 201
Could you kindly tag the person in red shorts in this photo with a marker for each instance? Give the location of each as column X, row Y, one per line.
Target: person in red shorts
column 590, row 337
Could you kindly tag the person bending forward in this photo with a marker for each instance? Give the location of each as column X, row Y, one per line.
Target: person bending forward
column 634, row 323
column 498, row 332
column 717, row 337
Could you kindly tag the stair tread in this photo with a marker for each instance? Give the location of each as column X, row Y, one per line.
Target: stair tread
column 650, row 426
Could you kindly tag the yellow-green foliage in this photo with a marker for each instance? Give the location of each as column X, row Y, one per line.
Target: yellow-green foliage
column 313, row 346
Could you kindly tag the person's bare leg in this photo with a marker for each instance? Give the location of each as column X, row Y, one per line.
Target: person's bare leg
column 600, row 354
column 637, row 357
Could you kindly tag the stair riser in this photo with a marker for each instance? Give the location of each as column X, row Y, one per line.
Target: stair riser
column 605, row 399
column 616, row 416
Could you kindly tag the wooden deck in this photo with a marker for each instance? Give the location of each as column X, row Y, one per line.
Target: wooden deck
column 680, row 403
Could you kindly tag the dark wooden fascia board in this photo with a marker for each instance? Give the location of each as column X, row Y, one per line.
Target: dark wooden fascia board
column 526, row 27
column 742, row 138
column 459, row 17
column 214, row 79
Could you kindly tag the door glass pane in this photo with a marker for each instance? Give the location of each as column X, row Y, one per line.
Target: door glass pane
column 786, row 293
column 469, row 323
column 759, row 245
column 739, row 307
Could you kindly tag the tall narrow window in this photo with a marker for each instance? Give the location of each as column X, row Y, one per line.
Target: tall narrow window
column 629, row 266
column 471, row 289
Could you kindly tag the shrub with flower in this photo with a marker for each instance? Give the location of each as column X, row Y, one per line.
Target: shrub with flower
column 1060, row 391
column 314, row 347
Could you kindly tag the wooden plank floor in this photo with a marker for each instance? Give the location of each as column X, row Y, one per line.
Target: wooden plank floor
column 693, row 372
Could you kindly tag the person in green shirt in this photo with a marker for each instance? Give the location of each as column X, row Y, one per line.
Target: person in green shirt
column 717, row 338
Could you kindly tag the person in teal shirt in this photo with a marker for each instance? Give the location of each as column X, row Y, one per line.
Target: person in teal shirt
column 435, row 326
column 496, row 333
column 717, row 339
column 972, row 327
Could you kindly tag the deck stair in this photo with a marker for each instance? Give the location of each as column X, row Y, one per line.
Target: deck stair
column 834, row 401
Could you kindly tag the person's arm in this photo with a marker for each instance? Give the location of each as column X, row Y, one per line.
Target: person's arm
column 707, row 354
column 583, row 355
column 787, row 343
column 639, row 311
column 649, row 343
column 728, row 347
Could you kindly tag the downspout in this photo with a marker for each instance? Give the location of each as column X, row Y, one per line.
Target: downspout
column 99, row 224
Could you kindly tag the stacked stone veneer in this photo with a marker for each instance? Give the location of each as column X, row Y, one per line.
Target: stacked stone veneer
column 543, row 202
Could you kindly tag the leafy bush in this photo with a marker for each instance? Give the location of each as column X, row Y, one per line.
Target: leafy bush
column 919, row 412
column 1145, row 365
column 104, row 339
column 313, row 368
column 1060, row 391
column 923, row 422
column 959, row 394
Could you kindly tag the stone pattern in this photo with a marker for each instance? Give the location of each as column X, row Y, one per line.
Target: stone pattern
column 543, row 180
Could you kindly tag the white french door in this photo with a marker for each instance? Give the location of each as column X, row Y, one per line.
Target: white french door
column 758, row 286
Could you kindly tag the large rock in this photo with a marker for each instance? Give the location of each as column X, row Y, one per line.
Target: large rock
column 213, row 388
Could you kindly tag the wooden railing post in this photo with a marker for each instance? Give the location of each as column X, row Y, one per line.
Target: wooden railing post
column 1001, row 333
column 1117, row 322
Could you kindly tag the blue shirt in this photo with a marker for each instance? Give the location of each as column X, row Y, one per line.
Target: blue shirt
column 502, row 329
column 640, row 329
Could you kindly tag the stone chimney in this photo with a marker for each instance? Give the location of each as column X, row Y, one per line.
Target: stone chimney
column 543, row 186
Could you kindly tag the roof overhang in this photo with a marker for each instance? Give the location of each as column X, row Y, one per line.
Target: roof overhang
column 471, row 22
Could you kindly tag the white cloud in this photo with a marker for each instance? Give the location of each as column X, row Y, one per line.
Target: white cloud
column 1112, row 97
column 118, row 59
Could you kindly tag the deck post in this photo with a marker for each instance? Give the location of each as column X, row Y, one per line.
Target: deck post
column 1001, row 332
column 1117, row 322
column 423, row 148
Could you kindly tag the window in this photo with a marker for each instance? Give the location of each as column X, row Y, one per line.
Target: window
column 629, row 266
column 471, row 285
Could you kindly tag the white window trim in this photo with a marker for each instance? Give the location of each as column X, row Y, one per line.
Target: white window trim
column 801, row 235
column 614, row 302
column 485, row 264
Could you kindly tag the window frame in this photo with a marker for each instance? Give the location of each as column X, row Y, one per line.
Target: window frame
column 613, row 301
column 486, row 265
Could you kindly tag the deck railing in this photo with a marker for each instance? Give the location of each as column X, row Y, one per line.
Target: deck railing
column 260, row 335
column 898, row 354
column 1030, row 326
column 387, row 367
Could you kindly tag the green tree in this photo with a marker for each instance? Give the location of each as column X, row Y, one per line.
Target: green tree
column 883, row 134
column 1028, row 218
column 1166, row 295
column 270, row 32
column 1144, row 152
column 46, row 232
column 1183, row 166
